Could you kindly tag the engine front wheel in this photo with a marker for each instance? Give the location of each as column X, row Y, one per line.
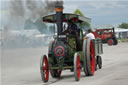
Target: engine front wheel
column 77, row 66
column 44, row 68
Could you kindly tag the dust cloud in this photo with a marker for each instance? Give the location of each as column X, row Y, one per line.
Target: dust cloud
column 22, row 12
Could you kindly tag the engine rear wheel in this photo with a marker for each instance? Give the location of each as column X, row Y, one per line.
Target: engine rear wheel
column 89, row 58
column 77, row 66
column 85, row 59
column 44, row 68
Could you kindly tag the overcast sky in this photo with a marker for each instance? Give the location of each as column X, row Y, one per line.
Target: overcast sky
column 102, row 12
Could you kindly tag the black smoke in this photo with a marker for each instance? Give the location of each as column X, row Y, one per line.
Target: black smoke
column 22, row 11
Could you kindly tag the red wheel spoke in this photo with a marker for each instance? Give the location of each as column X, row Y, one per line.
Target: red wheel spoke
column 44, row 68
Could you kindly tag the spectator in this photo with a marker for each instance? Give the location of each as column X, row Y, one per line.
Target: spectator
column 90, row 35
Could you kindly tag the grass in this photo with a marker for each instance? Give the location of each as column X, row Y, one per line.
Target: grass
column 123, row 40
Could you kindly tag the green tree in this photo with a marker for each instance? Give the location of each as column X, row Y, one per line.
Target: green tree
column 85, row 25
column 77, row 11
column 123, row 25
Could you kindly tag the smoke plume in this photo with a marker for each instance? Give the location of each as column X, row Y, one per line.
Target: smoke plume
column 31, row 9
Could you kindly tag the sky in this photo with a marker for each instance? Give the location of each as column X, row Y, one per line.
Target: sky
column 101, row 12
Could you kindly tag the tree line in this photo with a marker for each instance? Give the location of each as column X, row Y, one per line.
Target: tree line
column 123, row 25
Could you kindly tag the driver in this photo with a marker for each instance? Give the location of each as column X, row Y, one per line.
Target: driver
column 72, row 28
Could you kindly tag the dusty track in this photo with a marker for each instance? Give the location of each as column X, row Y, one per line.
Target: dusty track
column 21, row 67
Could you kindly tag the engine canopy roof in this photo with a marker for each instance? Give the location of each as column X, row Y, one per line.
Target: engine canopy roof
column 66, row 17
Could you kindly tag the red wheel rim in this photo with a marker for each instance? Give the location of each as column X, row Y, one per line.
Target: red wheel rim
column 78, row 67
column 110, row 42
column 92, row 60
column 45, row 68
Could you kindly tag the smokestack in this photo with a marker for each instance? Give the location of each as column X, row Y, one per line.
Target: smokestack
column 59, row 13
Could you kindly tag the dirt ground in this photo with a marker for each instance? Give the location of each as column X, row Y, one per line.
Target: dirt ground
column 22, row 67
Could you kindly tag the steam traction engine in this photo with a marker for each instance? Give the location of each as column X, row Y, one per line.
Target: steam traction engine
column 107, row 35
column 68, row 51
